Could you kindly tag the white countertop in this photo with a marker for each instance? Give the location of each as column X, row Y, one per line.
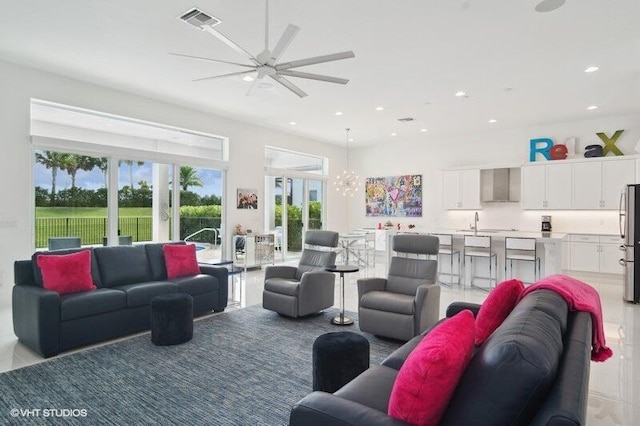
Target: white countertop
column 498, row 234
column 501, row 234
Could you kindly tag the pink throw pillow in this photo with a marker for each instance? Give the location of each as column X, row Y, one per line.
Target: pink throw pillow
column 427, row 379
column 498, row 305
column 181, row 260
column 66, row 273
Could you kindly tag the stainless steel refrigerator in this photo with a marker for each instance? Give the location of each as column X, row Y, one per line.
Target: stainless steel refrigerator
column 630, row 233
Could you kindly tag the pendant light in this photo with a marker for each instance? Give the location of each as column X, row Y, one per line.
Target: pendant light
column 348, row 182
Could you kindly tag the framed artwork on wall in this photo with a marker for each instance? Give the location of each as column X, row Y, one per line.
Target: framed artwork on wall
column 396, row 196
column 247, row 198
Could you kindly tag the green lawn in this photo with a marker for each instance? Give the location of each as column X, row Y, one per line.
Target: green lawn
column 90, row 212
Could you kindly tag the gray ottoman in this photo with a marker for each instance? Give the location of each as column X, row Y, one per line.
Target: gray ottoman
column 171, row 319
column 338, row 358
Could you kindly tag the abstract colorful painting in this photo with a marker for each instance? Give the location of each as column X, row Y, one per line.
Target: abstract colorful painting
column 398, row 196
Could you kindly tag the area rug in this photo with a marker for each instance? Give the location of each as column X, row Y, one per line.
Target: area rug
column 244, row 367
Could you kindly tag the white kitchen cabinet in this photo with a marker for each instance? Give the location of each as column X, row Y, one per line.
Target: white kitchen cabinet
column 597, row 184
column 595, row 253
column 615, row 175
column 461, row 189
column 610, row 255
column 546, row 186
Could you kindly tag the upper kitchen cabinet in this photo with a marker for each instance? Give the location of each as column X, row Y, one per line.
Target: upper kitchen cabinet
column 597, row 184
column 461, row 189
column 546, row 186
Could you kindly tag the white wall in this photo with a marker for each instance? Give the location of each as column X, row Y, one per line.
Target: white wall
column 500, row 147
column 19, row 84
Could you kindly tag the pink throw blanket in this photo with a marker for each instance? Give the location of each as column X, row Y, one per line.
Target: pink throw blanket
column 579, row 297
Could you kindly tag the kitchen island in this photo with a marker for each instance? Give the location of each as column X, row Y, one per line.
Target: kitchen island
column 548, row 244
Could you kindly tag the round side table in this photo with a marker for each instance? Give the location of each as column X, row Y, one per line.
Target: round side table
column 342, row 269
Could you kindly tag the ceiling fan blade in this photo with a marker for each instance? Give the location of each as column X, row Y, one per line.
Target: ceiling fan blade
column 225, row 75
column 315, row 60
column 226, row 40
column 210, row 59
column 284, row 42
column 289, row 85
column 254, row 86
column 319, row 77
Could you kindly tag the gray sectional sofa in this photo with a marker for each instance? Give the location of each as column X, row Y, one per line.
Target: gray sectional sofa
column 533, row 370
column 127, row 277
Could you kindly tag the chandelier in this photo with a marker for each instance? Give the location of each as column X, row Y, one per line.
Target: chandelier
column 348, row 182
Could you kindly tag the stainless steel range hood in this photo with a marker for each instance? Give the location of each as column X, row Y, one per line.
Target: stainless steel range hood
column 501, row 185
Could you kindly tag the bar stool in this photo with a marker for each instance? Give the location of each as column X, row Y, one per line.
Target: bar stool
column 446, row 249
column 523, row 250
column 479, row 246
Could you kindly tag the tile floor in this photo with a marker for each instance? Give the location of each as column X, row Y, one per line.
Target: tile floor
column 614, row 386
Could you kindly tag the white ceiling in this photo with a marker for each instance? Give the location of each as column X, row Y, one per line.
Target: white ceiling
column 411, row 57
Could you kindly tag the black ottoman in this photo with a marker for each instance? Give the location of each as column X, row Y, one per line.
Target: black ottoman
column 337, row 359
column 171, row 319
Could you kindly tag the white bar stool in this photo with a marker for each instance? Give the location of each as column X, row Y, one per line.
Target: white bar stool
column 479, row 246
column 521, row 250
column 446, row 249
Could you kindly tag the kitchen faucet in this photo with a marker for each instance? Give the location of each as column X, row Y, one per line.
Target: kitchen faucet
column 475, row 224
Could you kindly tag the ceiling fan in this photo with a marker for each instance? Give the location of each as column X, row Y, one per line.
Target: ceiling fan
column 265, row 64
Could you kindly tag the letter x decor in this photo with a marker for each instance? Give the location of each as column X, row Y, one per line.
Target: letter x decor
column 610, row 143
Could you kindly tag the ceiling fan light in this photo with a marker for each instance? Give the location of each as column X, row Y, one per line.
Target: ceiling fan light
column 248, row 78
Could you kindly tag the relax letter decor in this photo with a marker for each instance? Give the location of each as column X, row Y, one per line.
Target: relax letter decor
column 551, row 151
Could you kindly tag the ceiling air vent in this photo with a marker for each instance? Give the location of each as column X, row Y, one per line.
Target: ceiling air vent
column 198, row 18
column 406, row 119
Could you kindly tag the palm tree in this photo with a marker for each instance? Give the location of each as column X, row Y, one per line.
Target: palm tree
column 54, row 161
column 189, row 177
column 74, row 163
column 103, row 164
column 130, row 164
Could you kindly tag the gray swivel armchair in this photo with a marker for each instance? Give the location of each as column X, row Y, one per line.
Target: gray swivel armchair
column 307, row 288
column 408, row 301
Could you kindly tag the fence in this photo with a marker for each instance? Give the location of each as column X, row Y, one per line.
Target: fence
column 92, row 230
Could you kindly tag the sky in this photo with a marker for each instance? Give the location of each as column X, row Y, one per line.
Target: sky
column 94, row 179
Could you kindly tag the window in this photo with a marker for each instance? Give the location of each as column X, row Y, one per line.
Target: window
column 125, row 194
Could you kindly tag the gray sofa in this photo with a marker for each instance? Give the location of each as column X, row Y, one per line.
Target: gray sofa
column 534, row 369
column 127, row 277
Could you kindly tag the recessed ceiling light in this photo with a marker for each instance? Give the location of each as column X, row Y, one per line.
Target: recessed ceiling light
column 393, row 134
column 592, row 107
column 493, row 120
column 549, row 5
column 379, row 108
column 591, row 69
column 338, row 112
column 461, row 94
column 423, row 130
column 248, row 78
column 293, row 123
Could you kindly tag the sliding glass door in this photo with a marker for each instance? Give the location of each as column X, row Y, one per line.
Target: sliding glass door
column 293, row 206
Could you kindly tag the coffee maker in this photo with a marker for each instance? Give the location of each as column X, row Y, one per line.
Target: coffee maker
column 546, row 223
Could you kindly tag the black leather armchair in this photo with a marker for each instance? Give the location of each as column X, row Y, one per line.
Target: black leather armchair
column 307, row 288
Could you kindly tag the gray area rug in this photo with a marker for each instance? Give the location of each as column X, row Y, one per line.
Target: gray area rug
column 244, row 367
